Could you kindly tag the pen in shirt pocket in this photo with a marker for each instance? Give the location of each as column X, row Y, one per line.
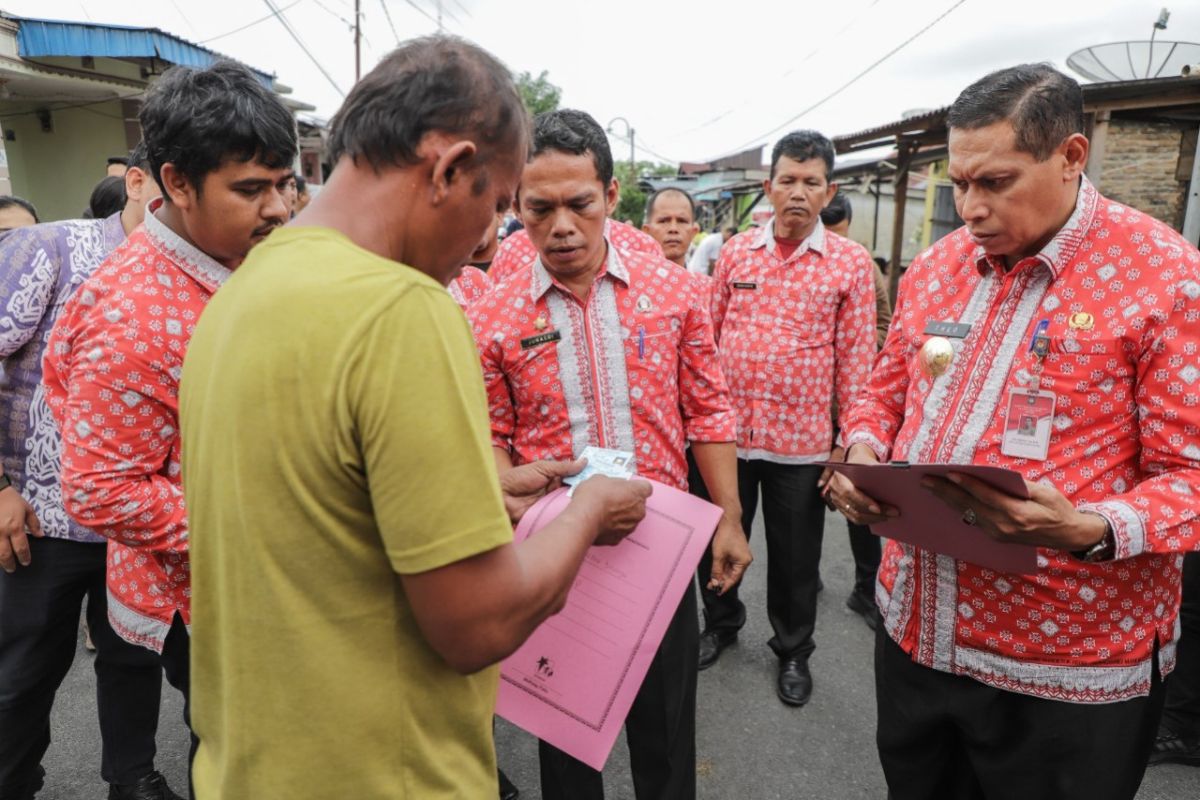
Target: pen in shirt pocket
column 641, row 342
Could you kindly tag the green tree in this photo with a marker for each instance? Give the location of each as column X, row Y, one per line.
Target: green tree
column 631, row 204
column 538, row 94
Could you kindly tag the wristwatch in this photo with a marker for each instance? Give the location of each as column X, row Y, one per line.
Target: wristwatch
column 1102, row 550
column 5, row 482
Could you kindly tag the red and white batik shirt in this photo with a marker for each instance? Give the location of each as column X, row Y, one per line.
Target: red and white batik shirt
column 471, row 284
column 631, row 368
column 794, row 334
column 1120, row 294
column 517, row 251
column 111, row 373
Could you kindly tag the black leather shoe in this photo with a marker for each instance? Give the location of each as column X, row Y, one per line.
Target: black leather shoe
column 1172, row 749
column 711, row 645
column 863, row 604
column 795, row 681
column 508, row 790
column 152, row 787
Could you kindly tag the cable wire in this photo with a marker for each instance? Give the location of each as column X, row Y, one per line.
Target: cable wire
column 300, row 43
column 849, row 83
column 292, row 4
column 391, row 24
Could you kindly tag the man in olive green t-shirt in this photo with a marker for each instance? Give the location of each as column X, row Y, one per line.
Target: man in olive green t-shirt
column 353, row 567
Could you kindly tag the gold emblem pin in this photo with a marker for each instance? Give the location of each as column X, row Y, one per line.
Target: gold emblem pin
column 643, row 304
column 1082, row 321
column 540, row 323
column 936, row 355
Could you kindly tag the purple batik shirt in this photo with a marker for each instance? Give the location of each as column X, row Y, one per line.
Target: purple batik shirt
column 40, row 268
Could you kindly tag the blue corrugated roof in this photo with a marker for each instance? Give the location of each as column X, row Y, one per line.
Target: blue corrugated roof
column 46, row 37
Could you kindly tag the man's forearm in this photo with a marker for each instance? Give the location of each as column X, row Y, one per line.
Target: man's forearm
column 717, row 462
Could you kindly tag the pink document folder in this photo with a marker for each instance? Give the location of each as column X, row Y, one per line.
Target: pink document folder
column 927, row 522
column 573, row 681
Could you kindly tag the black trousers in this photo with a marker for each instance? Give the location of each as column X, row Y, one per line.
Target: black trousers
column 660, row 728
column 39, row 629
column 948, row 736
column 794, row 518
column 176, row 665
column 1182, row 711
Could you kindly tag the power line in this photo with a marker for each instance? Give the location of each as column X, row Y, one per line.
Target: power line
column 391, row 24
column 850, row 82
column 333, row 14
column 293, row 4
column 751, row 100
column 425, row 14
column 465, row 10
column 303, row 47
column 641, row 145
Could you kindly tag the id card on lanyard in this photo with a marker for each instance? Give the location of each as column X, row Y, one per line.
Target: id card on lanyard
column 1029, row 418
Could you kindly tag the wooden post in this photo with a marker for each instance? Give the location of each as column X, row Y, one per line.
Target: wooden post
column 1099, row 144
column 904, row 152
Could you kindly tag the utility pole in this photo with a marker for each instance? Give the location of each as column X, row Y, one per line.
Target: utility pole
column 439, row 5
column 632, row 150
column 357, row 40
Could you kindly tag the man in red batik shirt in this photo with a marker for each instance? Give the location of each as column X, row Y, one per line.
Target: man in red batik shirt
column 794, row 314
column 1064, row 306
column 591, row 346
column 221, row 148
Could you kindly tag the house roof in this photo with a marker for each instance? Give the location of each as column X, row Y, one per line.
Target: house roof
column 40, row 38
column 930, row 127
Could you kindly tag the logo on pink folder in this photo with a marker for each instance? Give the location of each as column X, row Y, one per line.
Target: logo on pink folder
column 545, row 668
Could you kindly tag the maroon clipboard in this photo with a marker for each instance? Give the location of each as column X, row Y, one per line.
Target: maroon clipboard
column 925, row 521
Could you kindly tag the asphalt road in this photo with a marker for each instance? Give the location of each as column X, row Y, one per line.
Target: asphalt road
column 749, row 744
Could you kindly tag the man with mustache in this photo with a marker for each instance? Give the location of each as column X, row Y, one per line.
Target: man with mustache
column 592, row 346
column 221, row 147
column 1059, row 303
column 671, row 219
column 794, row 314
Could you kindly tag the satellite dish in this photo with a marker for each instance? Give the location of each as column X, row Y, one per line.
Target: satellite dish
column 1131, row 61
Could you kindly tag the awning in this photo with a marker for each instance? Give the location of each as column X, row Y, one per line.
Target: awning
column 38, row 38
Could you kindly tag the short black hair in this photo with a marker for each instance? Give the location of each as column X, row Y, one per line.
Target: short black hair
column 107, row 198
column 576, row 133
column 301, row 184
column 434, row 83
column 10, row 200
column 122, row 160
column 839, row 209
column 139, row 158
column 659, row 192
column 197, row 119
column 1043, row 105
column 803, row 146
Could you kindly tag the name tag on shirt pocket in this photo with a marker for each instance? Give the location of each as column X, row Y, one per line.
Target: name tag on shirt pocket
column 530, row 342
column 749, row 286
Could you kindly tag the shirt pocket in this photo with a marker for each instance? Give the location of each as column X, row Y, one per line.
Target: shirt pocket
column 1106, row 365
column 533, row 375
column 807, row 319
column 652, row 350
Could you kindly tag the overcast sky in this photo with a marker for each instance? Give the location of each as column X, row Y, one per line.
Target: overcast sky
column 693, row 83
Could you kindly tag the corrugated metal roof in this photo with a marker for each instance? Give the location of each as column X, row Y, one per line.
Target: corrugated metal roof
column 44, row 37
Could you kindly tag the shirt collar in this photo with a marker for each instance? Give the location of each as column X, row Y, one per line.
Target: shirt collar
column 613, row 266
column 814, row 241
column 1059, row 251
column 189, row 258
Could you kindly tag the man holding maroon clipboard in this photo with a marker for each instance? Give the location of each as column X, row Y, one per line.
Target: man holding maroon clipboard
column 1053, row 335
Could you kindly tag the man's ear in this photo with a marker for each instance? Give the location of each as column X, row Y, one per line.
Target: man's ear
column 449, row 167
column 1074, row 149
column 180, row 192
column 611, row 196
